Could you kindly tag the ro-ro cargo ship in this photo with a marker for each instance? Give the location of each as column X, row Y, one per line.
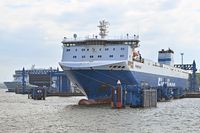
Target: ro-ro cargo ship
column 96, row 64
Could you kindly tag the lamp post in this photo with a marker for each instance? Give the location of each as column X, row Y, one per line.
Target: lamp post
column 182, row 58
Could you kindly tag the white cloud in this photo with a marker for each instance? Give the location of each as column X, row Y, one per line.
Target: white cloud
column 172, row 19
column 160, row 23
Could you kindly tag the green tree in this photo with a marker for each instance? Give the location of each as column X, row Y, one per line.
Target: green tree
column 198, row 78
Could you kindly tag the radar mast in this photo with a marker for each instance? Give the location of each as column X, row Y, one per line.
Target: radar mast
column 103, row 28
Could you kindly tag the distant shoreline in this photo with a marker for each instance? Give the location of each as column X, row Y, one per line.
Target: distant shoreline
column 2, row 86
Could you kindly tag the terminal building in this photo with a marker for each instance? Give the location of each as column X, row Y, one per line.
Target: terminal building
column 55, row 80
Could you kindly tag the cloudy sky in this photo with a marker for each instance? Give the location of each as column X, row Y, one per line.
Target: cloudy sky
column 31, row 31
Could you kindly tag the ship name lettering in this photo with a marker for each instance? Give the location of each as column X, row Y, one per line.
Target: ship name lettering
column 137, row 66
column 162, row 81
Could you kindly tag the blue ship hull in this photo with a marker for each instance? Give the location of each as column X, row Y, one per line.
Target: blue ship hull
column 97, row 84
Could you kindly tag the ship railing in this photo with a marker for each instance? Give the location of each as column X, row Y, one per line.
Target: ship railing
column 139, row 60
column 175, row 69
column 66, row 39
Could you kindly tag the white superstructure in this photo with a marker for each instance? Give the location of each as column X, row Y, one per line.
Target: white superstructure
column 104, row 61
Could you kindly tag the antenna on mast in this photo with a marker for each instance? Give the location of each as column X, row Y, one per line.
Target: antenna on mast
column 103, row 28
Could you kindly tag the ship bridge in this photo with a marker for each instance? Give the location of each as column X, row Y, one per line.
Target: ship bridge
column 99, row 48
column 132, row 42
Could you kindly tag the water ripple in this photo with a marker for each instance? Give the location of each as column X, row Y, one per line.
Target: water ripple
column 62, row 114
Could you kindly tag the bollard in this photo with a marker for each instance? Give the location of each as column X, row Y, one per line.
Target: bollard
column 117, row 96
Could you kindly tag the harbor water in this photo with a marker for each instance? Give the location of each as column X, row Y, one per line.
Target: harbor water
column 62, row 114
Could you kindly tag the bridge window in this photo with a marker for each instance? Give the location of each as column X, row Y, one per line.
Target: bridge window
column 74, row 56
column 106, row 49
column 91, row 56
column 111, row 56
column 122, row 48
column 99, row 56
column 67, row 45
column 76, row 49
column 68, row 50
column 83, row 56
column 88, row 49
column 100, row 49
column 113, row 49
column 121, row 55
column 83, row 49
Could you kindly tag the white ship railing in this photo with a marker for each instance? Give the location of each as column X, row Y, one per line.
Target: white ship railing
column 134, row 37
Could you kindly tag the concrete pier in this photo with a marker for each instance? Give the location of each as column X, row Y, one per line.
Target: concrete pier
column 65, row 94
column 192, row 95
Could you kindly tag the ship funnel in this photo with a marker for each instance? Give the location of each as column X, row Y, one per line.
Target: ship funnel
column 166, row 57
